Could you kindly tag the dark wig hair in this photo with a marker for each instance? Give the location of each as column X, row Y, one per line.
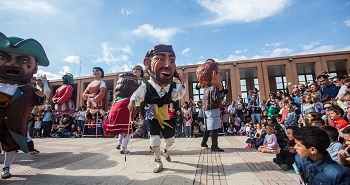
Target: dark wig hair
column 127, row 84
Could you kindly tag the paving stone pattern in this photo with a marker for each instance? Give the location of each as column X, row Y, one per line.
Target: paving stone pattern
column 77, row 161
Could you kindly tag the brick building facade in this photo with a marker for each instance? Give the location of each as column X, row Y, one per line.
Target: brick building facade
column 265, row 74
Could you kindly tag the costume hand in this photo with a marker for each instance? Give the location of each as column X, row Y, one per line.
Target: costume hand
column 131, row 105
column 40, row 94
column 183, row 77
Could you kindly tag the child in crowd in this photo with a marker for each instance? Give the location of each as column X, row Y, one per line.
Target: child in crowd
column 179, row 123
column 242, row 131
column 201, row 127
column 37, row 127
column 317, row 122
column 291, row 118
column 236, row 120
column 188, row 123
column 313, row 161
column 196, row 132
column 78, row 133
column 248, row 129
column 335, row 146
column 270, row 141
column 307, row 105
column 285, row 157
column 335, row 114
column 258, row 131
column 315, row 97
column 231, row 130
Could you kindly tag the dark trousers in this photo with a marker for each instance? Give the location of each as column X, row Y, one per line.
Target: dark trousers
column 47, row 128
column 214, row 138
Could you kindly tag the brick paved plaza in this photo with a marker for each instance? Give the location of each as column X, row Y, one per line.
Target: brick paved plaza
column 76, row 161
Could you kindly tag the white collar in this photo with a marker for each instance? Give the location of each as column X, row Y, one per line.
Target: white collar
column 158, row 88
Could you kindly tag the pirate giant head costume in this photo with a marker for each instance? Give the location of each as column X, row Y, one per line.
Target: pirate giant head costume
column 20, row 59
column 160, row 64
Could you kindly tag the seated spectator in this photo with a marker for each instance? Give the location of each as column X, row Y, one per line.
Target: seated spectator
column 242, row 131
column 313, row 161
column 317, row 122
column 78, row 133
column 285, row 156
column 291, row 117
column 140, row 126
column 231, row 130
column 270, row 141
column 344, row 155
column 335, row 114
column 64, row 129
column 335, row 146
column 282, row 138
column 196, row 132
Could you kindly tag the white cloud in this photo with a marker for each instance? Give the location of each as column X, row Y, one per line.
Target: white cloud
column 49, row 76
column 64, row 70
column 126, row 12
column 72, row 59
column 228, row 11
column 235, row 58
column 320, row 49
column 280, row 52
column 162, row 35
column 121, row 68
column 114, row 54
column 274, row 44
column 347, row 23
column 311, row 45
column 241, row 51
column 185, row 51
column 31, row 6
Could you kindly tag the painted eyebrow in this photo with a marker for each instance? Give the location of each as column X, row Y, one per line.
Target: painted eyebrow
column 164, row 55
column 4, row 53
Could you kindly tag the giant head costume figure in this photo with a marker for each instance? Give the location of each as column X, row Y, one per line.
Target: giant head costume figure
column 160, row 64
column 209, row 74
column 118, row 118
column 19, row 60
column 62, row 97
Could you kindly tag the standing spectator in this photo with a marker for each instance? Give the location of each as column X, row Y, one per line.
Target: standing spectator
column 255, row 109
column 302, row 89
column 47, row 121
column 81, row 117
column 186, row 110
column 37, row 127
column 271, row 100
column 240, row 108
column 224, row 115
column 232, row 110
column 188, row 122
column 200, row 111
column 179, row 123
column 328, row 87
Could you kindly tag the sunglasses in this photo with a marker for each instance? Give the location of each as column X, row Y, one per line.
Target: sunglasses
column 327, row 108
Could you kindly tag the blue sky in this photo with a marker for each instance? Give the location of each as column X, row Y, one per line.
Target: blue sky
column 116, row 34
